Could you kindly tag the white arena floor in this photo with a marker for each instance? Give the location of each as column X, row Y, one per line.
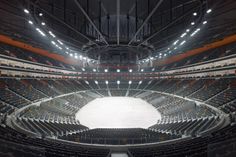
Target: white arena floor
column 118, row 112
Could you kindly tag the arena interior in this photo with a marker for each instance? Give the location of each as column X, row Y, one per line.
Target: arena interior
column 117, row 78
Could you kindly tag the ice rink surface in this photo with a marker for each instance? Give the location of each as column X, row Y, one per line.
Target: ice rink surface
column 118, row 112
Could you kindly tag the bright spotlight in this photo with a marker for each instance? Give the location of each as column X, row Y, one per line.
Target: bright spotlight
column 118, row 82
column 83, row 69
column 86, row 82
column 130, row 70
column 194, row 14
column 175, row 42
column 26, row 11
column 140, row 82
column 96, row 82
column 30, row 22
column 142, row 70
column 60, row 42
column 184, row 34
column 153, row 69
column 130, row 82
column 53, row 35
column 40, row 14
column 105, row 70
column 204, row 22
column 182, row 42
column 209, row 11
column 43, row 24
column 94, row 70
column 118, row 70
column 197, row 30
column 192, row 23
column 53, row 42
column 41, row 32
column 106, row 82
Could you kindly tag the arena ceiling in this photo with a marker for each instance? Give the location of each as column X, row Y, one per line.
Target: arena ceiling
column 144, row 27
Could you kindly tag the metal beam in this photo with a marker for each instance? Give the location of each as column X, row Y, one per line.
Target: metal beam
column 118, row 21
column 88, row 18
column 146, row 20
column 61, row 21
column 168, row 25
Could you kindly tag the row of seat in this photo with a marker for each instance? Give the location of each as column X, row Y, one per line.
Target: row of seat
column 49, row 128
column 194, row 147
column 119, row 136
column 46, row 147
column 188, row 127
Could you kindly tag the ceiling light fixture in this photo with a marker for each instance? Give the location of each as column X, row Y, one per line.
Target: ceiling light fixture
column 26, row 11
column 182, row 42
column 53, row 42
column 184, row 34
column 30, row 22
column 195, row 32
column 40, row 32
column 53, row 35
column 60, row 42
column 204, row 22
column 209, row 11
column 175, row 42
